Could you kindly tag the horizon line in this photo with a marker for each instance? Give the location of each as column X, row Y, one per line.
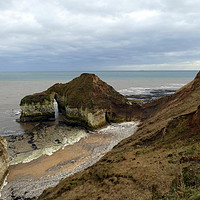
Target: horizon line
column 164, row 70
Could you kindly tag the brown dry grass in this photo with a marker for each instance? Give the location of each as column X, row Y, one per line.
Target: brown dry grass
column 136, row 169
column 155, row 163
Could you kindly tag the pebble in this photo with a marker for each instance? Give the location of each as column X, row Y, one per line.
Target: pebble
column 26, row 188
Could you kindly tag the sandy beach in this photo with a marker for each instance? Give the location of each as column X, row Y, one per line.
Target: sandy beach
column 28, row 180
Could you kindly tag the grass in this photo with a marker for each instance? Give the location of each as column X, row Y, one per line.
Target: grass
column 159, row 165
column 160, row 161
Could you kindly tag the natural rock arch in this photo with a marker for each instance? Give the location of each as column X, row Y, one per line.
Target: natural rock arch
column 85, row 101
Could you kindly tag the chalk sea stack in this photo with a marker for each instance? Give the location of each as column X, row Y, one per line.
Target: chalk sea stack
column 37, row 107
column 3, row 160
column 85, row 101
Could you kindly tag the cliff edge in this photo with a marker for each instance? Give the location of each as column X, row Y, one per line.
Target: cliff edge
column 160, row 161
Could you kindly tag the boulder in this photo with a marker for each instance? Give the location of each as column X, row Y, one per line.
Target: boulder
column 85, row 101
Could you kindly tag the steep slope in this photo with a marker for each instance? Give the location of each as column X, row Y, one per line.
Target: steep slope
column 86, row 100
column 3, row 160
column 160, row 161
column 183, row 101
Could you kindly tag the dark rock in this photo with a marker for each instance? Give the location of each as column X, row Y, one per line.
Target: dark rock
column 152, row 95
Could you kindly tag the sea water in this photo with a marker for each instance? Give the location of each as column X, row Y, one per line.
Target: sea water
column 15, row 85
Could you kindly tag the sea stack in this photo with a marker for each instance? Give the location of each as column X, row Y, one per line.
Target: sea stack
column 85, row 101
column 37, row 107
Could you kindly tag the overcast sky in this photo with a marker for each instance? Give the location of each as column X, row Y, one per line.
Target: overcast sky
column 89, row 35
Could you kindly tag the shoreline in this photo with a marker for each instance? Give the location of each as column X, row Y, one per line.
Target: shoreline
column 138, row 95
column 43, row 139
column 28, row 180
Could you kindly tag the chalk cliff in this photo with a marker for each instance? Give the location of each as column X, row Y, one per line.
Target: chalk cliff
column 85, row 101
column 3, row 159
column 37, row 107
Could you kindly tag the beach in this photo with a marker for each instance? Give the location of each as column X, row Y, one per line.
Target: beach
column 41, row 155
column 28, row 180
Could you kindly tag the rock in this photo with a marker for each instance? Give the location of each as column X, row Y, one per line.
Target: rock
column 3, row 160
column 85, row 101
column 151, row 96
column 37, row 107
column 41, row 140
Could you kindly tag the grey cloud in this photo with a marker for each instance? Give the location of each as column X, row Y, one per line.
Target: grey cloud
column 75, row 34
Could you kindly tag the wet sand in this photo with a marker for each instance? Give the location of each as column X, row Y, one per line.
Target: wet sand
column 28, row 180
column 61, row 160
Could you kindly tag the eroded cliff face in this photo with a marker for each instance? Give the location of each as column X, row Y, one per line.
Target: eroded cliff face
column 37, row 107
column 85, row 101
column 3, row 160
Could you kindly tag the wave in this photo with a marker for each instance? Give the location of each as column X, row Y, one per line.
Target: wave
column 148, row 90
column 7, row 132
column 118, row 130
column 46, row 143
column 12, row 112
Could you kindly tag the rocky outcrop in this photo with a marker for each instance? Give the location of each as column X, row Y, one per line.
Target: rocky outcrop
column 37, row 107
column 85, row 101
column 160, row 161
column 3, row 160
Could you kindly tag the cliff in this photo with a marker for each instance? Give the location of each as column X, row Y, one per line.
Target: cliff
column 3, row 160
column 85, row 101
column 37, row 107
column 160, row 161
column 183, row 101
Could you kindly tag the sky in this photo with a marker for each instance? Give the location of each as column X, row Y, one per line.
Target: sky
column 95, row 35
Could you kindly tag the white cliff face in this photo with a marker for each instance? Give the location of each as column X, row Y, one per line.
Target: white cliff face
column 34, row 110
column 97, row 118
column 3, row 159
column 93, row 118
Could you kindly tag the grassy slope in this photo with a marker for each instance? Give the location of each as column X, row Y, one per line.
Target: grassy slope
column 160, row 161
column 88, row 91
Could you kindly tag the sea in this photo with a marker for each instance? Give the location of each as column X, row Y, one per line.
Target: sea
column 15, row 85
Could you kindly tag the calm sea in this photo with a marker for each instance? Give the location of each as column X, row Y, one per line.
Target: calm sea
column 15, row 85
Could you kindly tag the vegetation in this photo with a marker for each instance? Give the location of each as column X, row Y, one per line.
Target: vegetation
column 86, row 93
column 160, row 161
column 42, row 98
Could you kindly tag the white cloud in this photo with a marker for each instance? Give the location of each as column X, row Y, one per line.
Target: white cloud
column 99, row 33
